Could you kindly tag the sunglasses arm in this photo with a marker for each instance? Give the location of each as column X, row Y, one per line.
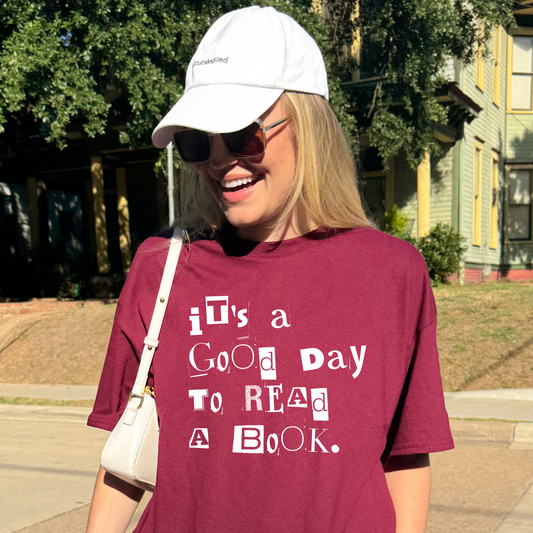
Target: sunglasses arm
column 266, row 128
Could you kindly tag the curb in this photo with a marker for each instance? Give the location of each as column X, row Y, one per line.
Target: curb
column 522, row 436
column 496, row 394
column 508, row 405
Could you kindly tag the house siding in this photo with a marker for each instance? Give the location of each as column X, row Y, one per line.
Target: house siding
column 519, row 145
column 502, row 139
column 519, row 150
column 486, row 131
column 405, row 193
column 441, row 187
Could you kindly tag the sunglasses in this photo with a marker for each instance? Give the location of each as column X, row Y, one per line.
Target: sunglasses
column 194, row 146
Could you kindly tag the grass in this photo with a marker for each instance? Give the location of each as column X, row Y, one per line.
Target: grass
column 484, row 335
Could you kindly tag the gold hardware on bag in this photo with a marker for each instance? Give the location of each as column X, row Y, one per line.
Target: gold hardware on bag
column 147, row 391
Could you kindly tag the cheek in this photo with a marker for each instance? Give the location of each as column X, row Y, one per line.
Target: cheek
column 286, row 168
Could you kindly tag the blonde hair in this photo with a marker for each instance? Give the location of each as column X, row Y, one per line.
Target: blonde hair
column 325, row 184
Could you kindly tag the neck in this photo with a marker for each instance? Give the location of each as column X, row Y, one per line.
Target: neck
column 292, row 228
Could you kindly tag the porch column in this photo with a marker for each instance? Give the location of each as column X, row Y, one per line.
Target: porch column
column 123, row 219
column 423, row 182
column 317, row 6
column 97, row 180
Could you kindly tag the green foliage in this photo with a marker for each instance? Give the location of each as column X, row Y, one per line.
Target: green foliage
column 303, row 12
column 443, row 250
column 395, row 223
column 411, row 41
column 70, row 288
column 70, row 60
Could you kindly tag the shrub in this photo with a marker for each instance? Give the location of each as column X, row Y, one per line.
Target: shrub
column 395, row 222
column 443, row 250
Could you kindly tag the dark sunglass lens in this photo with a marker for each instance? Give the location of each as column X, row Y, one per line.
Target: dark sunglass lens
column 193, row 145
column 246, row 142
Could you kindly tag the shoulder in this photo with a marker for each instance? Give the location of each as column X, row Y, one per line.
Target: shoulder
column 376, row 247
column 155, row 245
column 154, row 250
column 147, row 267
column 150, row 257
column 391, row 268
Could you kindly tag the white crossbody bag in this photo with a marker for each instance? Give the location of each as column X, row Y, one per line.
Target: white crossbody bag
column 131, row 450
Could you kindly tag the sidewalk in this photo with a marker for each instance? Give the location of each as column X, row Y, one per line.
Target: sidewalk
column 49, row 458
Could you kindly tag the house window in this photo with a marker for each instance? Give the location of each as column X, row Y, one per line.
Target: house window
column 522, row 72
column 477, row 185
column 66, row 223
column 497, row 58
column 495, row 180
column 519, row 205
column 480, row 69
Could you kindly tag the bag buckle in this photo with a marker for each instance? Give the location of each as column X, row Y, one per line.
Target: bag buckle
column 150, row 391
column 147, row 391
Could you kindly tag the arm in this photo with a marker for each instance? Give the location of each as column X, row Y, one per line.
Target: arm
column 408, row 480
column 113, row 504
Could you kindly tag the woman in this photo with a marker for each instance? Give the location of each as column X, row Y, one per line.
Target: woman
column 296, row 376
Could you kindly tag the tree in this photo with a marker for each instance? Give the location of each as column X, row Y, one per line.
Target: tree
column 98, row 61
column 110, row 63
column 121, row 64
column 408, row 42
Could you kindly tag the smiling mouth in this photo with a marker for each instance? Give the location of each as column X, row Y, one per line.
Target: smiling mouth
column 238, row 184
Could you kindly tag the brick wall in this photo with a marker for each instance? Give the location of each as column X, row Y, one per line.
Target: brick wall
column 472, row 275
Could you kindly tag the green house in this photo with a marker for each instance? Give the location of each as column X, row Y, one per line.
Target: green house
column 482, row 181
column 80, row 213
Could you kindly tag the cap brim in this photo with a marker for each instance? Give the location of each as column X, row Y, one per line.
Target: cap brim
column 215, row 108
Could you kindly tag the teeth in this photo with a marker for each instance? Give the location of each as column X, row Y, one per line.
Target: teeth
column 236, row 183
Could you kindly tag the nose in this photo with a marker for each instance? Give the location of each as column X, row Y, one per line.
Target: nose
column 220, row 157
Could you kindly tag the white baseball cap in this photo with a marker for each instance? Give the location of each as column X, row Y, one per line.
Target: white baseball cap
column 243, row 64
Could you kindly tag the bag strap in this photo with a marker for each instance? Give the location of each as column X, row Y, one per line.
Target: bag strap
column 152, row 339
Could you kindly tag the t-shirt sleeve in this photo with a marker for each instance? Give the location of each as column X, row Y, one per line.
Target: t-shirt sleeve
column 132, row 319
column 420, row 423
column 117, row 379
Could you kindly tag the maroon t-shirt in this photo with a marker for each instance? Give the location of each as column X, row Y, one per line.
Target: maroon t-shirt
column 285, row 373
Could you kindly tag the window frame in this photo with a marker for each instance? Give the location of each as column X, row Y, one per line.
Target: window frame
column 480, row 68
column 495, row 200
column 508, row 170
column 477, row 200
column 497, row 62
column 518, row 32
